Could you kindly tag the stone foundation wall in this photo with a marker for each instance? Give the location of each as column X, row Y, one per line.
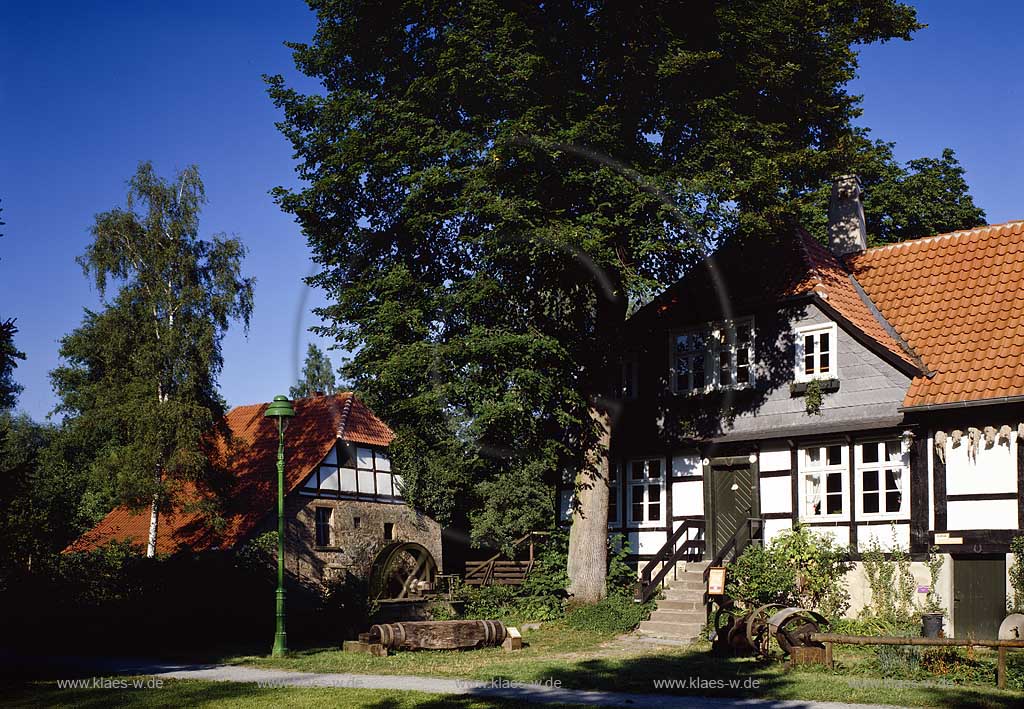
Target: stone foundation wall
column 354, row 545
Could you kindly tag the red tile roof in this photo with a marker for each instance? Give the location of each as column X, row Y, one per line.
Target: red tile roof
column 958, row 300
column 829, row 279
column 251, row 459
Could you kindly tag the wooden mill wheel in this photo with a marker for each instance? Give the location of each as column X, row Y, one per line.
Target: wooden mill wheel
column 398, row 568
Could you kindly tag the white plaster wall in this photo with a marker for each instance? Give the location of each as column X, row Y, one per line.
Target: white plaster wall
column 860, row 591
column 981, row 514
column 841, row 535
column 776, row 495
column 884, row 534
column 994, row 470
column 646, row 542
column 773, row 459
column 772, row 528
column 688, row 498
column 564, row 503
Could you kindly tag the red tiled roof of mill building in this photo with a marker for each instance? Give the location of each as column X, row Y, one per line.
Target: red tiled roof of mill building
column 958, row 300
column 251, row 461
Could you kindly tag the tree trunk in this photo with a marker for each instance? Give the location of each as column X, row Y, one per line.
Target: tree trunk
column 588, row 536
column 153, row 519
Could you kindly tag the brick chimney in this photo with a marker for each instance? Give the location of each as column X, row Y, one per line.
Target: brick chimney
column 847, row 232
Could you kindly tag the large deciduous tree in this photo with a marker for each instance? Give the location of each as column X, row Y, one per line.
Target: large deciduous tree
column 317, row 375
column 9, row 356
column 489, row 185
column 144, row 367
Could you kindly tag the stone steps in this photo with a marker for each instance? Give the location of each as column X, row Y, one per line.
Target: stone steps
column 680, row 614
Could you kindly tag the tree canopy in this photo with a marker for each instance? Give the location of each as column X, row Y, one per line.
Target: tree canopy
column 317, row 375
column 922, row 197
column 487, row 185
column 143, row 369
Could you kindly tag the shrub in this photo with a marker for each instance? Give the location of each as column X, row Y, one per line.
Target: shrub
column 615, row 614
column 798, row 567
column 892, row 585
column 1016, row 603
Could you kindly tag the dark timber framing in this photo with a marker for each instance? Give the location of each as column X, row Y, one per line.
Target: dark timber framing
column 919, row 495
column 939, row 491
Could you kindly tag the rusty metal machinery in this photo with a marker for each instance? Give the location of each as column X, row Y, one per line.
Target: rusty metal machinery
column 793, row 627
column 749, row 631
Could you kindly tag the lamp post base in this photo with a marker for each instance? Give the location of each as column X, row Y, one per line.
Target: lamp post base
column 280, row 637
column 280, row 645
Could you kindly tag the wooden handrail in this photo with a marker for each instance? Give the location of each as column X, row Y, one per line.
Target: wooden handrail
column 668, row 555
column 737, row 544
column 488, row 564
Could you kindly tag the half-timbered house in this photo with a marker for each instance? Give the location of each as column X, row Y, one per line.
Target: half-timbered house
column 867, row 393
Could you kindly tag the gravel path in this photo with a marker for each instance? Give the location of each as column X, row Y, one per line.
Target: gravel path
column 436, row 685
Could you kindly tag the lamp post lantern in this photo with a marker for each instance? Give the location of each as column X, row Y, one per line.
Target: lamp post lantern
column 281, row 409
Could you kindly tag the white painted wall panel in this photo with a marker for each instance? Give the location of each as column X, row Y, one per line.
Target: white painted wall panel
column 885, row 534
column 688, row 498
column 995, row 469
column 564, row 503
column 840, row 534
column 774, row 459
column 776, row 495
column 772, row 527
column 348, row 480
column 686, row 465
column 646, row 542
column 329, row 479
column 981, row 514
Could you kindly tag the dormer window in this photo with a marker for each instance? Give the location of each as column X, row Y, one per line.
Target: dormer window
column 716, row 355
column 816, row 352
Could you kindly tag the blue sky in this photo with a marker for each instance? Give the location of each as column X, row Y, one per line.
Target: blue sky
column 90, row 89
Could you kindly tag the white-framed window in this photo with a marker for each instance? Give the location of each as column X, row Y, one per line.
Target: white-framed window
column 816, row 356
column 824, row 471
column 716, row 355
column 883, row 477
column 645, row 487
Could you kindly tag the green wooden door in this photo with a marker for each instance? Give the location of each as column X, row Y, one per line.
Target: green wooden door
column 979, row 596
column 733, row 498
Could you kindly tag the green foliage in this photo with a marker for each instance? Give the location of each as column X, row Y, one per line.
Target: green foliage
column 9, row 356
column 1016, row 602
column 891, row 583
column 317, row 375
column 923, row 197
column 797, row 568
column 617, row 613
column 813, row 398
column 933, row 601
column 479, row 252
column 140, row 375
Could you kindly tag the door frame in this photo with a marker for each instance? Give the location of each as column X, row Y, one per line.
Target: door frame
column 710, row 511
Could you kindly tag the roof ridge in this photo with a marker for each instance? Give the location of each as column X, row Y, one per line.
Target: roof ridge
column 973, row 231
column 802, row 244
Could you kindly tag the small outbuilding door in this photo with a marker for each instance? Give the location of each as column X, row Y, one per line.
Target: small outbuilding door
column 979, row 595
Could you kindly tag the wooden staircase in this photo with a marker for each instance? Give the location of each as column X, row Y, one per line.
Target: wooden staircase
column 682, row 613
column 504, row 571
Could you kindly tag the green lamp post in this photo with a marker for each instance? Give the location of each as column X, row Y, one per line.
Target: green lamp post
column 281, row 409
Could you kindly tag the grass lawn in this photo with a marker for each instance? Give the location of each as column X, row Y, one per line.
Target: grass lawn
column 587, row 660
column 175, row 694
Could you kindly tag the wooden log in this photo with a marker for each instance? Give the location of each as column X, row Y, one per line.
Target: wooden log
column 439, row 634
column 375, row 649
column 892, row 640
column 1001, row 668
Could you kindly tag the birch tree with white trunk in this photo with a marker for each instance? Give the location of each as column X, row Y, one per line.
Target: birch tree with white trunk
column 143, row 368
